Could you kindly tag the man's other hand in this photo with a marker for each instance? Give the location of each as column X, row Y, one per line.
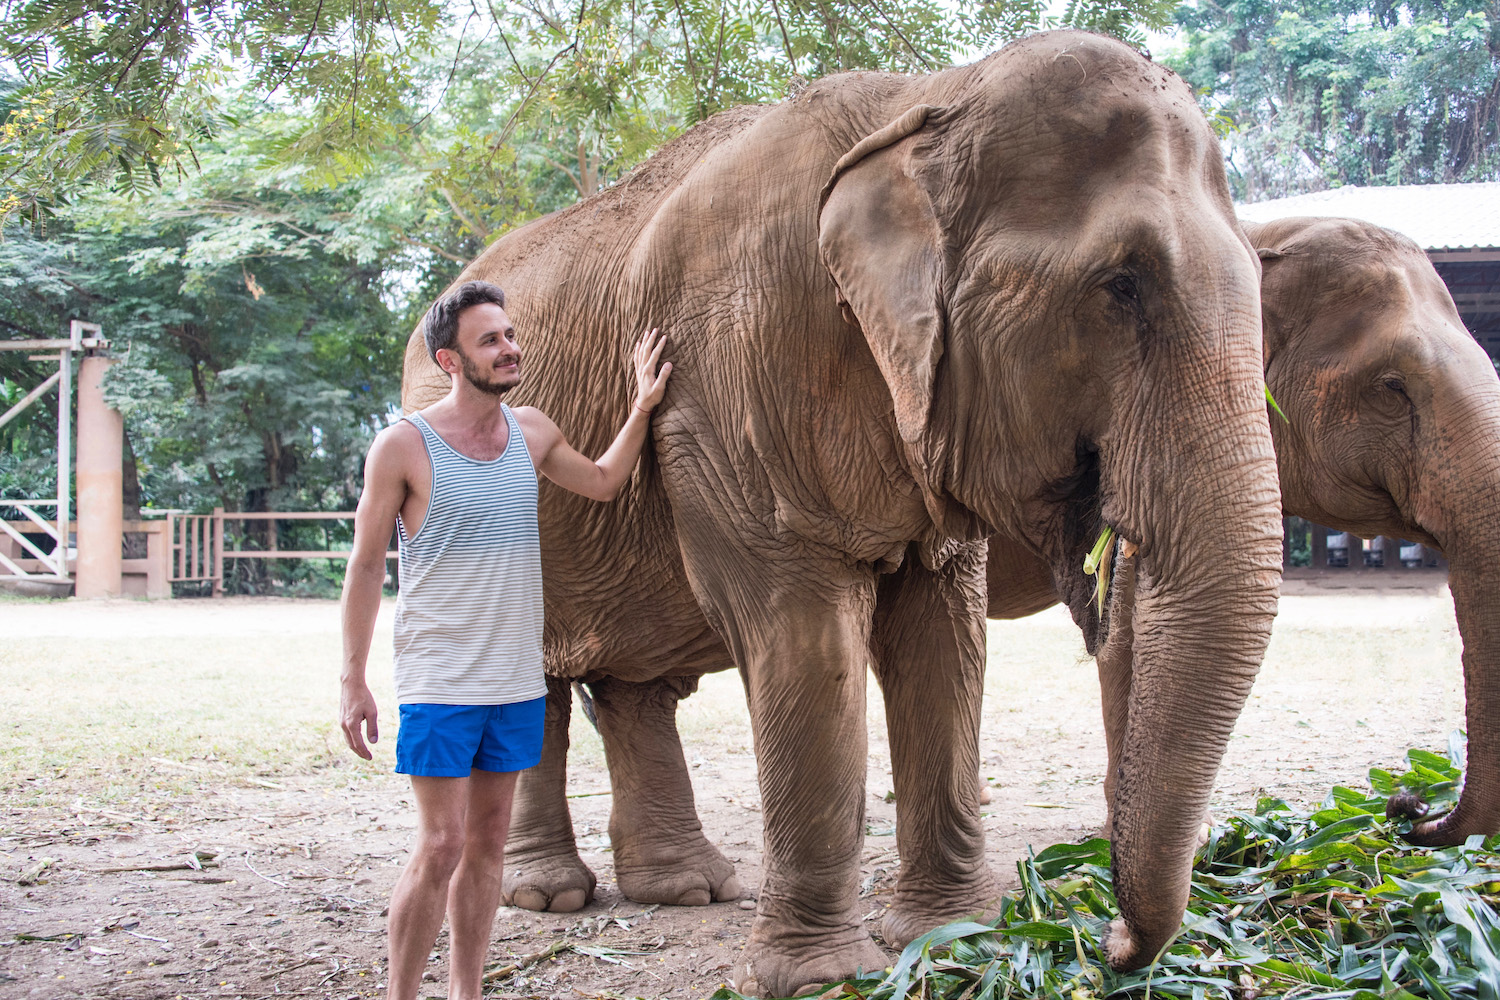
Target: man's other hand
column 356, row 706
column 650, row 385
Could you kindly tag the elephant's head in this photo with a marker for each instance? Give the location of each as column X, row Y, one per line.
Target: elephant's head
column 1394, row 429
column 1044, row 261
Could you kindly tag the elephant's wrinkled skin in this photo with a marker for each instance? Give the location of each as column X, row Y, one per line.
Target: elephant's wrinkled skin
column 904, row 313
column 1394, row 429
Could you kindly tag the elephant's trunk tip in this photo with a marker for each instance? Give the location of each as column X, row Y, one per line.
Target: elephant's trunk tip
column 1120, row 949
column 1406, row 804
column 1438, row 831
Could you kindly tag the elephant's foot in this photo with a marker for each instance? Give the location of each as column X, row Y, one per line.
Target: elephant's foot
column 780, row 962
column 694, row 878
column 555, row 884
column 915, row 912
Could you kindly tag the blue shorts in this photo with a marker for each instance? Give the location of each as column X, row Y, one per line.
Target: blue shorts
column 449, row 741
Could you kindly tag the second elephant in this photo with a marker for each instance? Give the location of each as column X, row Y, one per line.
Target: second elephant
column 1393, row 428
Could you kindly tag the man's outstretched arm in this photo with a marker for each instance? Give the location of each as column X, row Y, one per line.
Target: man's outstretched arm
column 374, row 520
column 602, row 479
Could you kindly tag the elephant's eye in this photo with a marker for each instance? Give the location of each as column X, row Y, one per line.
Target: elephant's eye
column 1395, row 384
column 1125, row 290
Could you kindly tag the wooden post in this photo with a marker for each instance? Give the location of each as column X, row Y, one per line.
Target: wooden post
column 101, row 437
column 216, row 531
column 178, row 534
column 158, row 558
column 10, row 548
column 1319, row 546
column 64, row 456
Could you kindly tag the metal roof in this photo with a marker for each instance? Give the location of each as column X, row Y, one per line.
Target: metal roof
column 1436, row 216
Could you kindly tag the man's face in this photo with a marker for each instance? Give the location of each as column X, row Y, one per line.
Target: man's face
column 487, row 352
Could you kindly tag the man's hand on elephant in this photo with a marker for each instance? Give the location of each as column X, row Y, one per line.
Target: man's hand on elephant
column 651, row 385
column 356, row 706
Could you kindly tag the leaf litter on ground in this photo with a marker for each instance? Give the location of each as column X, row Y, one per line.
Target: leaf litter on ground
column 1328, row 903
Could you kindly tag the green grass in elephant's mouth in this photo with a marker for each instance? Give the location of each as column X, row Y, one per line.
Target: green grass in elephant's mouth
column 1078, row 498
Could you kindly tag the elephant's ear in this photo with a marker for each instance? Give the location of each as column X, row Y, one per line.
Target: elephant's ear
column 879, row 237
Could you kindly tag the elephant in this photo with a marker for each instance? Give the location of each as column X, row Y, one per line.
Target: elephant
column 1392, row 422
column 905, row 313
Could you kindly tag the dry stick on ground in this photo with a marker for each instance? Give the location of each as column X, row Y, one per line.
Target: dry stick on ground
column 526, row 961
column 289, row 968
column 273, row 881
column 178, row 867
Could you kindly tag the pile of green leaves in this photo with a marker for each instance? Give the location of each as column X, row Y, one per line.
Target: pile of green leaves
column 1330, row 903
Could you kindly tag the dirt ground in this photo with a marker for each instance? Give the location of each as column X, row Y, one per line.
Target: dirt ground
column 178, row 817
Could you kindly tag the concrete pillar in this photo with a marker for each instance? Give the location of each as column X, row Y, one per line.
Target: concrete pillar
column 101, row 497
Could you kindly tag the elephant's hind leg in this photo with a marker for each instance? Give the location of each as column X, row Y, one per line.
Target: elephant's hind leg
column 928, row 651
column 661, row 855
column 542, row 868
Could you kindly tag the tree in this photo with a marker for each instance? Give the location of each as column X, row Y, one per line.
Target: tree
column 1321, row 93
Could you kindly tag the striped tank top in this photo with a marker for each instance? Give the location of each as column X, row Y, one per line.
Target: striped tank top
column 469, row 611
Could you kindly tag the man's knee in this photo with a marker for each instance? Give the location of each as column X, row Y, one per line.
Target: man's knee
column 439, row 851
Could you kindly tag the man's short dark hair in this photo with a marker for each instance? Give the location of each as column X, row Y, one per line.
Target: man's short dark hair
column 440, row 325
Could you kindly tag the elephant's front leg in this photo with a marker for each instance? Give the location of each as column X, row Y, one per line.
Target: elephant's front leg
column 542, row 868
column 928, row 651
column 803, row 646
column 661, row 855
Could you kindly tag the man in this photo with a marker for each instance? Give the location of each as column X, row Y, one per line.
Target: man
column 459, row 481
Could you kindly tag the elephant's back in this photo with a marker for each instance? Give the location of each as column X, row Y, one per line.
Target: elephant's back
column 561, row 272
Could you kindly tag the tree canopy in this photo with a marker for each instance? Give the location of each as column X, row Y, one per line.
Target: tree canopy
column 1320, row 93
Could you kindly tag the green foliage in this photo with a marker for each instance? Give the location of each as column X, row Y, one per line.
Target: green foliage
column 1123, row 21
column 259, row 351
column 1322, row 93
column 1330, row 903
column 128, row 90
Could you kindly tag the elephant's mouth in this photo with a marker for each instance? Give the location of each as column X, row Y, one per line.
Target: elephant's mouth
column 1077, row 503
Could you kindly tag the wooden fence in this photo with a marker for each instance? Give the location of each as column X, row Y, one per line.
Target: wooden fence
column 180, row 548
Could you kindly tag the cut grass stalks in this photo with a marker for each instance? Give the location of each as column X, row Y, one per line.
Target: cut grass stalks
column 1274, row 405
column 1098, row 564
column 1329, row 903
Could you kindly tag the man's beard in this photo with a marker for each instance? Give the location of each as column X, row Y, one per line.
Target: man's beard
column 476, row 378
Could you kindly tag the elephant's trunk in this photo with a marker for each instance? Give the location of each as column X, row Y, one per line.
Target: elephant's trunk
column 1457, row 498
column 1477, row 605
column 1208, row 575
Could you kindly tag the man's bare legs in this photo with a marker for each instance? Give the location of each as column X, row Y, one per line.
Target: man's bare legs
column 474, row 891
column 455, row 866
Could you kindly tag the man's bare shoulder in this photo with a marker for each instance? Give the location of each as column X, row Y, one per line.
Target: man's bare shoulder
column 534, row 423
column 398, row 449
column 400, row 436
